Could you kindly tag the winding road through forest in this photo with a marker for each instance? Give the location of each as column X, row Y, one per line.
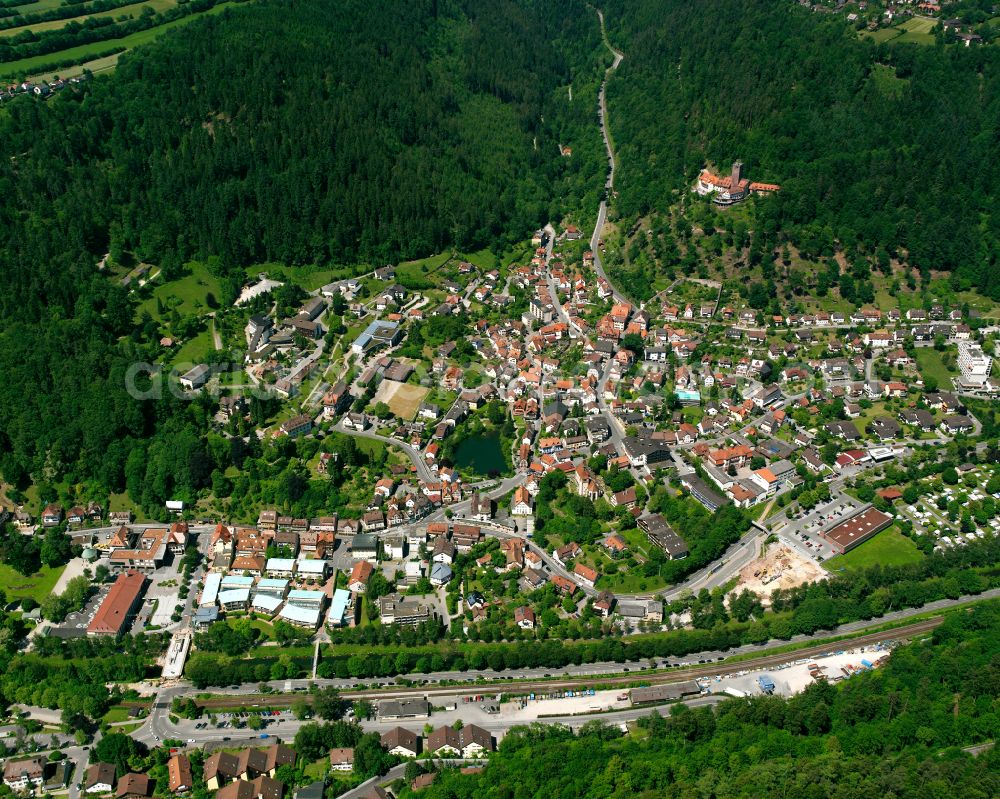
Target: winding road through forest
column 609, row 184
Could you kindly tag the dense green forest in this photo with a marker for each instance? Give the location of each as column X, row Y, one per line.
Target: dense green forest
column 879, row 148
column 892, row 732
column 292, row 131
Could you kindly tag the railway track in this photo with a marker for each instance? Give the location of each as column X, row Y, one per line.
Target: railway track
column 529, row 686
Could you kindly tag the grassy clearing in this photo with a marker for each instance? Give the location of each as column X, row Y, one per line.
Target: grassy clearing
column 373, row 447
column 130, row 11
column 85, row 52
column 483, row 259
column 36, row 586
column 186, row 295
column 423, row 268
column 266, row 629
column 122, row 501
column 317, row 770
column 881, row 35
column 868, row 415
column 128, row 729
column 194, row 350
column 885, row 80
column 930, row 364
column 888, row 548
column 116, row 714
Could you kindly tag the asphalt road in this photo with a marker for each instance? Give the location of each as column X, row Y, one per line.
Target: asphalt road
column 602, row 211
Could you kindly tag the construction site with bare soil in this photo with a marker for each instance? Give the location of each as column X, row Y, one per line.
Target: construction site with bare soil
column 779, row 567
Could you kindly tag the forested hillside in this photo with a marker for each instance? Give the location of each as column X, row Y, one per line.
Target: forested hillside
column 878, row 147
column 892, row 732
column 299, row 132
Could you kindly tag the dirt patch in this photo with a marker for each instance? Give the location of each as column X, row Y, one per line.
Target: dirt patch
column 780, row 567
column 403, row 399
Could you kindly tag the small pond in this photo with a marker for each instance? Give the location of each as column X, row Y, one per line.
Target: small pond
column 481, row 454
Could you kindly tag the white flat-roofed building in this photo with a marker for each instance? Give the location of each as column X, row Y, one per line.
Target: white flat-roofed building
column 271, row 586
column 231, row 581
column 414, row 570
column 235, row 599
column 338, row 607
column 280, row 567
column 312, row 568
column 266, row 603
column 306, row 599
column 974, row 364
column 210, row 593
column 301, row 616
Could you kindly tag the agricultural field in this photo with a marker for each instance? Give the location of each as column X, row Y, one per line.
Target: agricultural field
column 916, row 30
column 95, row 67
column 888, row 548
column 45, row 64
column 39, row 6
column 129, row 12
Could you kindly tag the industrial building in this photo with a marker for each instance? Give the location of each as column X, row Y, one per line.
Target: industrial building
column 663, row 693
column 856, row 530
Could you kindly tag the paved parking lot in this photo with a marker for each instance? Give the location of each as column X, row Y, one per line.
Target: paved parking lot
column 803, row 534
column 75, row 624
column 342, row 560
